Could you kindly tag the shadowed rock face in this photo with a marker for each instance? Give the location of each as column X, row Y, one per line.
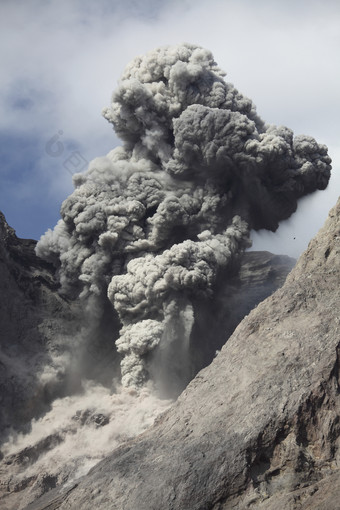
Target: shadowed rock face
column 30, row 309
column 258, row 428
column 37, row 325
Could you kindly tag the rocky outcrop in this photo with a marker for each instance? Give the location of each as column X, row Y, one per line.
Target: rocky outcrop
column 258, row 428
column 40, row 332
column 32, row 314
column 257, row 276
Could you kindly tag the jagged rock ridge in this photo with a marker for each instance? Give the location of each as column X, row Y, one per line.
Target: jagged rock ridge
column 259, row 428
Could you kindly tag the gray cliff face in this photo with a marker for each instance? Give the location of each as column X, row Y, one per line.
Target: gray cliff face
column 32, row 315
column 39, row 326
column 39, row 336
column 258, row 428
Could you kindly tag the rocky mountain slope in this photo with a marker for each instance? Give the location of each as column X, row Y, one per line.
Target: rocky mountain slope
column 38, row 328
column 32, row 318
column 258, row 428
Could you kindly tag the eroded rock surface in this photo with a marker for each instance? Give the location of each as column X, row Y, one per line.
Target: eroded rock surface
column 32, row 317
column 48, row 343
column 259, row 428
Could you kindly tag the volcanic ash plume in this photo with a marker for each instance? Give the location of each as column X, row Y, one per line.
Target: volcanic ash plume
column 159, row 221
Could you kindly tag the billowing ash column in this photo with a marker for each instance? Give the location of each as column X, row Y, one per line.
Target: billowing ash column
column 160, row 219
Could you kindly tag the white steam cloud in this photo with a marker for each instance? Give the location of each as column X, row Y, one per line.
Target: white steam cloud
column 157, row 222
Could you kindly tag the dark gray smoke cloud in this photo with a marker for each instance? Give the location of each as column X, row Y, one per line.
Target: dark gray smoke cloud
column 157, row 221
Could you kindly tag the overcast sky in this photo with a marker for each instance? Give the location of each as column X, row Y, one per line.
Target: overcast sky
column 61, row 60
